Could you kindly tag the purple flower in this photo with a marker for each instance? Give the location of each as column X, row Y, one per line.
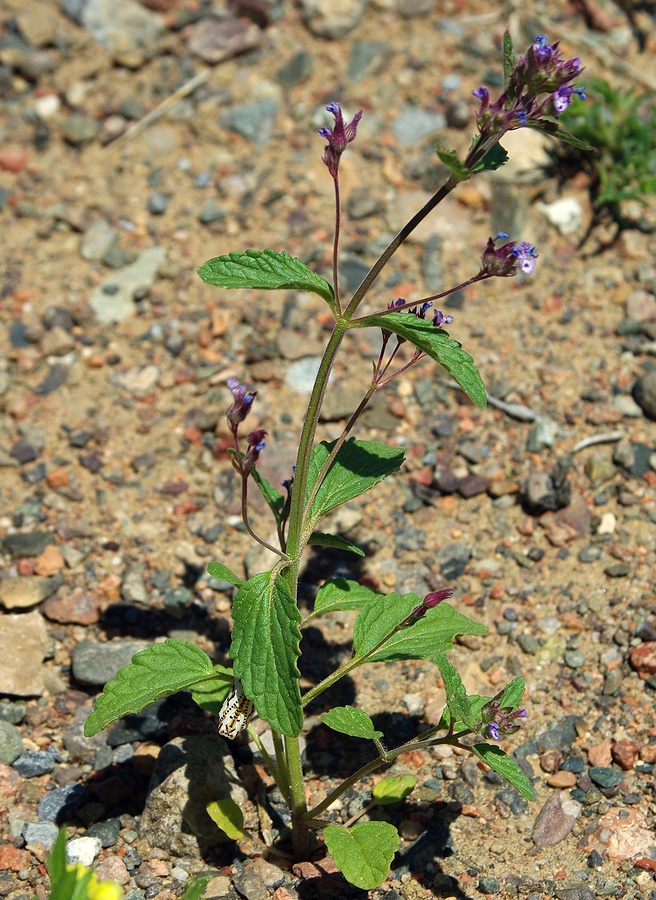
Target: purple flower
column 338, row 137
column 505, row 260
column 429, row 602
column 562, row 98
column 255, row 444
column 497, row 720
column 242, row 402
column 440, row 319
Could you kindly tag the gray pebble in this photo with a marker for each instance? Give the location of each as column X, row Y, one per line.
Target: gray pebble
column 99, row 663
column 11, row 745
column 61, row 803
column 362, row 203
column 296, row 70
column 133, row 587
column 644, row 393
column 253, row 121
column 211, row 213
column 97, row 240
column 574, row 659
column 79, row 129
column 157, row 204
column 367, row 58
column 331, row 20
column 590, row 553
column 606, row 776
column 32, row 543
column 107, row 832
column 12, row 711
column 34, row 762
column 528, row 643
column 488, row 885
column 40, row 833
column 413, row 124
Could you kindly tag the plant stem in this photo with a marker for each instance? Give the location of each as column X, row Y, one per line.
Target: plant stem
column 338, row 217
column 298, row 806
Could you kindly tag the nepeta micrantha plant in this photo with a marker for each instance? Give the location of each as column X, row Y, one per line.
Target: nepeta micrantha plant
column 266, row 616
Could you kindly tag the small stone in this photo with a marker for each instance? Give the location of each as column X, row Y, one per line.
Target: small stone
column 590, row 554
column 215, row 40
column 79, row 129
column 138, row 380
column 12, row 159
column 472, row 485
column 32, row 543
column 22, row 593
column 40, row 833
column 57, row 342
column 332, row 19
column 21, row 672
column 605, row 776
column 555, row 820
column 11, row 744
column 562, row 779
column 367, row 58
column 61, row 803
column 625, row 834
column 296, row 70
column 547, row 491
column 124, row 27
column 624, row 753
column 49, row 562
column 76, row 607
column 362, row 203
column 644, row 393
column 83, row 850
column 413, row 124
column 488, row 885
column 133, row 587
column 600, row 754
column 566, row 214
column 32, row 763
column 113, row 300
column 574, row 659
column 641, row 306
column 617, row 570
column 211, row 213
column 99, row 237
column 253, row 121
column 96, row 664
column 57, row 375
column 112, row 868
column 600, row 468
column 157, row 204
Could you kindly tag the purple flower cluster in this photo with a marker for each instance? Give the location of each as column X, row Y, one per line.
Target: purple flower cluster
column 508, row 258
column 497, row 720
column 539, row 85
column 439, row 318
column 338, row 137
column 429, row 602
column 242, row 402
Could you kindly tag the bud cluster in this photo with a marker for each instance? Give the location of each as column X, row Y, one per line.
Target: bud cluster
column 338, row 136
column 506, row 259
column 497, row 720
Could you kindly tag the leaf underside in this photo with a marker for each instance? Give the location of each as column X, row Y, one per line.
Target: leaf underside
column 352, row 721
column 363, row 853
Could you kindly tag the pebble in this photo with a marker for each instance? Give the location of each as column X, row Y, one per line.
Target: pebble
column 137, row 380
column 488, row 885
column 113, row 300
column 61, row 803
column 296, row 70
column 12, row 711
column 215, row 40
column 562, row 779
column 34, row 762
column 27, row 591
column 641, row 306
column 555, row 820
column 625, row 834
column 332, row 20
column 566, row 214
column 599, row 468
column 574, row 659
column 367, row 58
column 413, row 124
column 40, row 833
column 79, row 129
column 157, row 204
column 112, row 868
column 20, row 545
column 123, row 27
column 253, row 121
column 11, row 744
column 605, row 776
column 21, row 672
column 546, row 491
column 107, row 832
column 133, row 587
column 300, row 375
column 644, row 393
column 96, row 664
column 83, row 850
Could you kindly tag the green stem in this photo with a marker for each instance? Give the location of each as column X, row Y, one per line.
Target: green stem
column 298, row 806
column 281, row 761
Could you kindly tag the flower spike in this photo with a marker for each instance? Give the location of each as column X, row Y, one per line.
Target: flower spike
column 338, row 137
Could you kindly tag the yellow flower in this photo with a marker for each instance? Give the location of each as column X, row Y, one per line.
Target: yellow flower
column 97, row 890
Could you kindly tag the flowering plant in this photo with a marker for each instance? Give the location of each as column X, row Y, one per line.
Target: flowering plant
column 267, row 620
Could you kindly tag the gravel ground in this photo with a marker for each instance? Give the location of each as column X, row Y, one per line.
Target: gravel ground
column 137, row 141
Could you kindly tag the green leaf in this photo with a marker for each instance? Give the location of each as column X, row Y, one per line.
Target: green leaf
column 210, row 694
column 196, row 890
column 477, row 702
column 513, row 694
column 228, row 816
column 363, row 853
column 431, row 634
column 437, row 344
column 358, row 466
column 352, row 721
column 320, row 539
column 568, row 138
column 453, row 162
column 154, row 673
column 340, row 594
column 493, row 159
column 265, row 647
column 63, row 883
column 264, row 269
column 222, row 573
column 394, row 789
column 496, row 759
column 457, row 700
column 274, row 499
column 508, row 59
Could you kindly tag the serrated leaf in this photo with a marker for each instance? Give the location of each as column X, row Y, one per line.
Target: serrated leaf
column 352, row 721
column 228, row 816
column 493, row 159
column 265, row 647
column 394, row 789
column 340, row 594
column 358, row 466
column 437, row 344
column 196, row 890
column 154, row 673
column 508, row 59
column 568, row 138
column 477, row 702
column 320, row 539
column 457, row 700
column 496, row 759
column 513, row 694
column 364, row 853
column 431, row 634
column 266, row 270
column 274, row 499
column 220, row 572
column 453, row 162
column 210, row 694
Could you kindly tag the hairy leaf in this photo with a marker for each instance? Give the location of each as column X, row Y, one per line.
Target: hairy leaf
column 435, row 632
column 457, row 701
column 265, row 647
column 453, row 162
column 358, row 466
column 477, row 702
column 340, row 594
column 363, row 853
column 496, row 759
column 394, row 789
column 222, row 573
column 513, row 694
column 264, row 269
column 274, row 499
column 352, row 721
column 228, row 816
column 437, row 344
column 154, row 673
column 320, row 539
